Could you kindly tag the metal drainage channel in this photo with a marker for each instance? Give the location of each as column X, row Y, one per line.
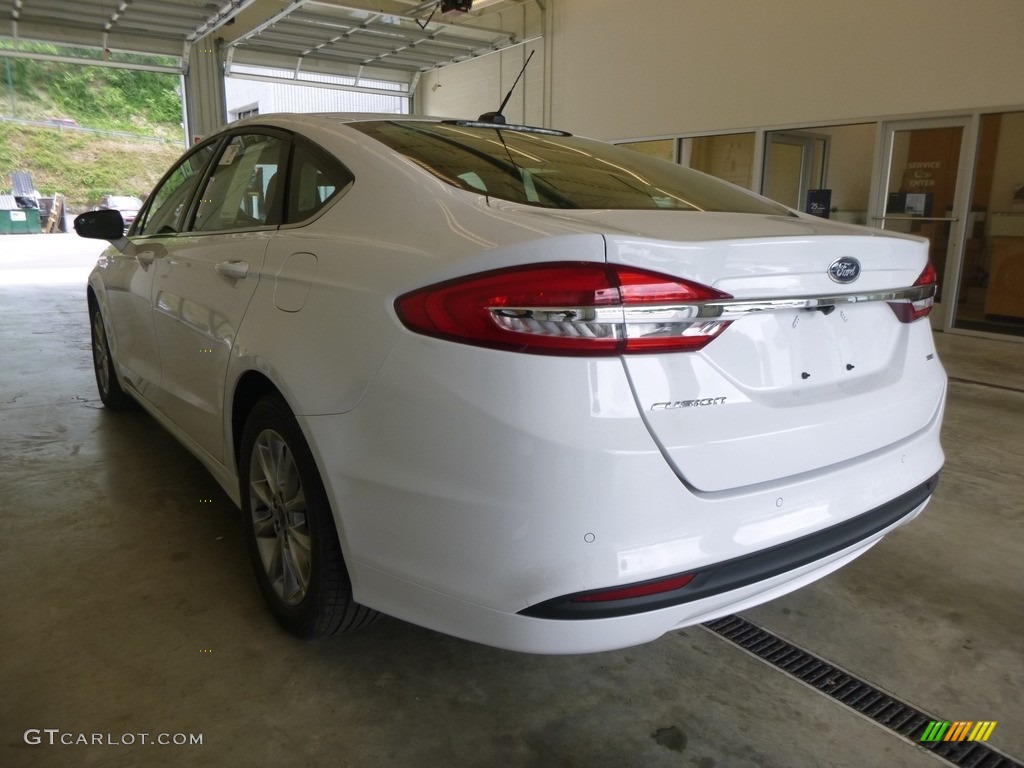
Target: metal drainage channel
column 861, row 696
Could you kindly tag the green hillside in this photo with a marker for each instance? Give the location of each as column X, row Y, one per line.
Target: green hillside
column 80, row 164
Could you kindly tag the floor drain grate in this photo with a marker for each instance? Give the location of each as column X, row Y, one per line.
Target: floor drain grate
column 859, row 695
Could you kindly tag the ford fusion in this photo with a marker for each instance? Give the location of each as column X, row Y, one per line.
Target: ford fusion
column 521, row 387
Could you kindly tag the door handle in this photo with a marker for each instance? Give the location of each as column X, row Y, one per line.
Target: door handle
column 145, row 258
column 236, row 270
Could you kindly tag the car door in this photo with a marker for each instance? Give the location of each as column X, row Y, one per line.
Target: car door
column 130, row 272
column 205, row 281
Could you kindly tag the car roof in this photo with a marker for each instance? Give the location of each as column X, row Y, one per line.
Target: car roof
column 343, row 117
column 288, row 120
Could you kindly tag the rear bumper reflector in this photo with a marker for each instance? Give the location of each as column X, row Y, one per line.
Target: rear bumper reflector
column 732, row 574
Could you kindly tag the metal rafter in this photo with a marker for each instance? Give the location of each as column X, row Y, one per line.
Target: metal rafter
column 373, row 39
column 224, row 14
column 134, row 24
column 329, row 33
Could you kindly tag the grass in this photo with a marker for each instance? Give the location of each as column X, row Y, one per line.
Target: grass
column 133, row 101
column 82, row 166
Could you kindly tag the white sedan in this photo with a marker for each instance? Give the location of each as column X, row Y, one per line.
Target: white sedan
column 517, row 386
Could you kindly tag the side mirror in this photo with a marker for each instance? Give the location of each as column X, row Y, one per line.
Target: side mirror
column 100, row 225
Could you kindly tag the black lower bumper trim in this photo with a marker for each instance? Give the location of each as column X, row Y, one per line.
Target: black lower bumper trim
column 742, row 571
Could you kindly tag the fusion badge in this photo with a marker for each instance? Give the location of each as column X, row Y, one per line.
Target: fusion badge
column 844, row 270
column 672, row 405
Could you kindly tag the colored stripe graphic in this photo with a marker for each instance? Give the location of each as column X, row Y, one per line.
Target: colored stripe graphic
column 935, row 731
column 982, row 730
column 958, row 730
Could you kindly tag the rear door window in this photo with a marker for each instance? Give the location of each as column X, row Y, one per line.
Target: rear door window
column 315, row 180
column 246, row 185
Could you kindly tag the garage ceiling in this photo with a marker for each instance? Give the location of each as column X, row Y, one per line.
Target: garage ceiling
column 161, row 27
column 392, row 40
column 332, row 36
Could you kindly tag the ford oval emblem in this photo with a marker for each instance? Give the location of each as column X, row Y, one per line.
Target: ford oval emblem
column 844, row 270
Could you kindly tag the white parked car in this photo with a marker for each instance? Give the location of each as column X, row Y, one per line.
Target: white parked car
column 128, row 205
column 517, row 386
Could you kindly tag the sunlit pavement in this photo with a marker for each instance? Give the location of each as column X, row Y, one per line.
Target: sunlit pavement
column 58, row 259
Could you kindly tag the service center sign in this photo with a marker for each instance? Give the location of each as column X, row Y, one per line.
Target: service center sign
column 921, row 175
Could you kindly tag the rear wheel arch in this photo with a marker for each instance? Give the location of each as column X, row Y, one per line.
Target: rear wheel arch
column 251, row 387
column 290, row 527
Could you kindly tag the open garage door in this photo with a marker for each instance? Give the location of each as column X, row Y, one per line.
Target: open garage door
column 373, row 46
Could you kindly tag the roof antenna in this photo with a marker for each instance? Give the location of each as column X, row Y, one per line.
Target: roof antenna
column 497, row 118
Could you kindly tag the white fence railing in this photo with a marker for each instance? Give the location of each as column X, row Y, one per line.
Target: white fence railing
column 63, row 125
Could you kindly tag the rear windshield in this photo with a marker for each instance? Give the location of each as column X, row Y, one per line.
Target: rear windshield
column 552, row 171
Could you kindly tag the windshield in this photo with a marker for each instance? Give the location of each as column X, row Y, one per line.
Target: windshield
column 556, row 171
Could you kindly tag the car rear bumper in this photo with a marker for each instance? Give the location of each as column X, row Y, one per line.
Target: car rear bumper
column 491, row 483
column 528, row 634
column 749, row 569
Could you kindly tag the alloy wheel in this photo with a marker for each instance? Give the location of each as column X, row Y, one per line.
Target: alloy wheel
column 277, row 504
column 100, row 353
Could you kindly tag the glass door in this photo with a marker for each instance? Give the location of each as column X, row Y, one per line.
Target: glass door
column 794, row 163
column 923, row 190
column 990, row 298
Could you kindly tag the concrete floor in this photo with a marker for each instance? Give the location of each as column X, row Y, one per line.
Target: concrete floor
column 130, row 607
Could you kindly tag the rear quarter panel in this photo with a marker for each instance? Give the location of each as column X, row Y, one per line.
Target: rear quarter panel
column 321, row 332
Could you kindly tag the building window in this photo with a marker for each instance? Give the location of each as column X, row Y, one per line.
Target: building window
column 727, row 156
column 663, row 149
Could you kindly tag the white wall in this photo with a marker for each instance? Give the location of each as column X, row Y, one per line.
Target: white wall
column 645, row 68
column 669, row 66
column 243, row 94
column 470, row 88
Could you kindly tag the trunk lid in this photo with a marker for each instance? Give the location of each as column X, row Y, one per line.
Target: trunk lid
column 782, row 391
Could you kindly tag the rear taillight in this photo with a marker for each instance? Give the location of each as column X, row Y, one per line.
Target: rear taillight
column 907, row 310
column 565, row 308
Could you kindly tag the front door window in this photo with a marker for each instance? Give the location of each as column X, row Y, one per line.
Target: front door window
column 166, row 212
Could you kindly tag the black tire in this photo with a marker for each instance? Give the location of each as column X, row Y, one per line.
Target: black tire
column 109, row 387
column 292, row 541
